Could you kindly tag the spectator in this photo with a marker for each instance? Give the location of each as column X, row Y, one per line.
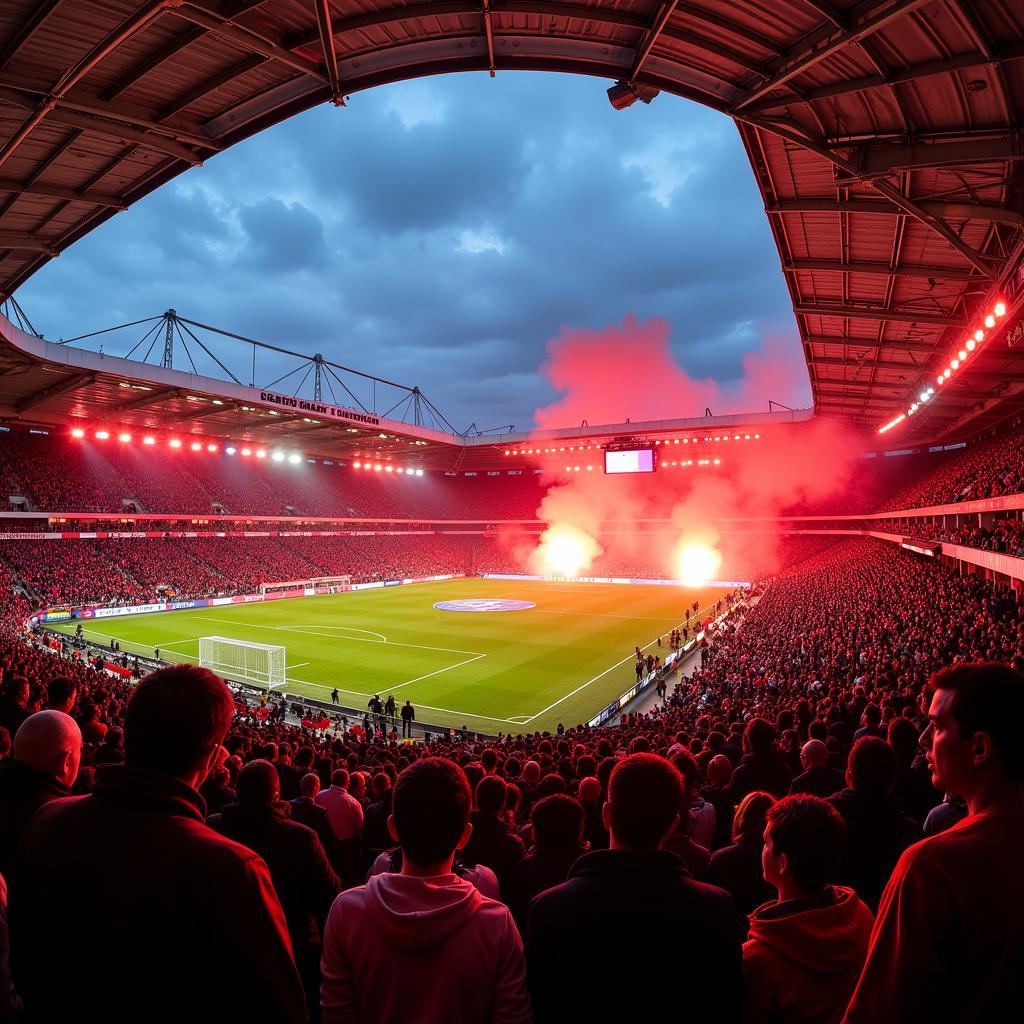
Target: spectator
column 306, row 811
column 157, row 892
column 492, row 842
column 762, row 766
column 557, row 844
column 680, row 840
column 737, row 868
column 817, row 779
column 946, row 943
column 877, row 831
column 345, row 813
column 14, row 703
column 299, row 869
column 424, row 944
column 582, row 932
column 594, row 832
column 375, row 822
column 718, row 794
column 61, row 695
column 47, row 752
column 807, row 947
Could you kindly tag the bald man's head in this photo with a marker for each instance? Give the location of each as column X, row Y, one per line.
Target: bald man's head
column 813, row 754
column 590, row 789
column 51, row 742
column 719, row 770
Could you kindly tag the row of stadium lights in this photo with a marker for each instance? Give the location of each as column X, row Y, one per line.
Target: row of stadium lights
column 956, row 360
column 197, row 446
column 377, row 467
column 590, row 447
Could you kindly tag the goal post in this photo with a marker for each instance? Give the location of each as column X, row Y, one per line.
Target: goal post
column 315, row 584
column 243, row 661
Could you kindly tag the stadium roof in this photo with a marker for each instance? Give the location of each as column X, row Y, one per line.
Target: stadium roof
column 884, row 136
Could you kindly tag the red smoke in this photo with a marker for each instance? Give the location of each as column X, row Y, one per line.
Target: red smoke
column 628, row 372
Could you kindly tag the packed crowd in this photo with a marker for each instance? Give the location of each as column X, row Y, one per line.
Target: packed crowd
column 760, row 832
column 1004, row 535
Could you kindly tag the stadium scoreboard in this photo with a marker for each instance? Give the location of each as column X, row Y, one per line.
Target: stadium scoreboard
column 632, row 459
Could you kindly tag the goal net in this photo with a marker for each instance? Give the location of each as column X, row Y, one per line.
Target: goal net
column 316, row 585
column 262, row 664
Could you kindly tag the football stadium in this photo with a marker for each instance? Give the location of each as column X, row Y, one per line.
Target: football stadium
column 316, row 707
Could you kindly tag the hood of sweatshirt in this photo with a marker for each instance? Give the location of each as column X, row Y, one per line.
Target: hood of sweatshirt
column 823, row 940
column 419, row 913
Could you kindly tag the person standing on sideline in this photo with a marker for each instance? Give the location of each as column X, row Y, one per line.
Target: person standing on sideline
column 390, row 709
column 408, row 717
column 947, row 942
column 334, row 696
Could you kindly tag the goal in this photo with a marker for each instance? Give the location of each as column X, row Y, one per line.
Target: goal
column 316, row 584
column 262, row 664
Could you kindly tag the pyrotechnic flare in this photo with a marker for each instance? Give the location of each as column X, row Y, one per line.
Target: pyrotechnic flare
column 565, row 550
column 697, row 563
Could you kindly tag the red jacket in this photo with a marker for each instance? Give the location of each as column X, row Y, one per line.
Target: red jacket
column 801, row 967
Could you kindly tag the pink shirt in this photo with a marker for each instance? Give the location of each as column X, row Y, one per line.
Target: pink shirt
column 344, row 812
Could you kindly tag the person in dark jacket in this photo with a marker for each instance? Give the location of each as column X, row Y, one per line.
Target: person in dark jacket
column 14, row 703
column 376, row 838
column 633, row 897
column 306, row 811
column 188, row 920
column 305, row 882
column 594, row 832
column 719, row 795
column 762, row 766
column 47, row 751
column 557, row 844
column 877, row 831
column 817, row 778
column 737, row 868
column 492, row 843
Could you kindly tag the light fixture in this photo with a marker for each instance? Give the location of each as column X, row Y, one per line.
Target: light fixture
column 419, row 472
column 261, row 453
column 979, row 335
column 229, row 450
column 990, row 321
column 624, row 94
column 971, row 344
column 124, row 438
column 147, row 440
column 295, row 458
column 211, row 447
column 389, row 469
column 247, row 451
column 102, row 435
column 1000, row 309
column 196, row 446
column 357, row 465
column 78, row 432
column 174, row 443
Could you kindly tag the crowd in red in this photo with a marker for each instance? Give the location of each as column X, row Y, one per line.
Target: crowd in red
column 777, row 798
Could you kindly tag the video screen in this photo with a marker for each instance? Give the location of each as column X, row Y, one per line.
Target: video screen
column 631, row 460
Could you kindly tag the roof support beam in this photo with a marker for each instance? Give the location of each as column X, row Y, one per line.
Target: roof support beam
column 171, row 50
column 900, row 316
column 132, row 24
column 323, row 21
column 880, row 269
column 821, row 47
column 665, row 11
column 51, row 391
column 880, row 158
column 489, row 35
column 149, row 398
column 197, row 412
column 248, row 40
column 882, row 207
column 985, row 264
column 23, row 240
column 22, row 36
column 925, row 69
column 70, row 195
column 871, row 344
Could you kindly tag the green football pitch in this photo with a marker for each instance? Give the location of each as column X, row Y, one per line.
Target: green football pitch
column 562, row 660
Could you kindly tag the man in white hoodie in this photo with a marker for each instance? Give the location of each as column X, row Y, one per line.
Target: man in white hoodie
column 423, row 946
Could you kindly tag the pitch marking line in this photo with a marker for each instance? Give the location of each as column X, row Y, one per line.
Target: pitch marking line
column 356, row 639
column 601, row 675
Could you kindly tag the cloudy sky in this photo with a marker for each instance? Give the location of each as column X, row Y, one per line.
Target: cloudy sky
column 442, row 232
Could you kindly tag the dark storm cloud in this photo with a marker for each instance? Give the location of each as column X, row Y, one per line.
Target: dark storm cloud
column 440, row 232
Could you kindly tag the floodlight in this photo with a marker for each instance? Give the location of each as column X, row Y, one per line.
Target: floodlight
column 174, row 442
column 277, row 456
column 147, row 440
column 295, row 458
column 124, row 438
column 102, row 435
column 78, row 432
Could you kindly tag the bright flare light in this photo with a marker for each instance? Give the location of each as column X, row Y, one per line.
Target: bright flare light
column 696, row 564
column 565, row 550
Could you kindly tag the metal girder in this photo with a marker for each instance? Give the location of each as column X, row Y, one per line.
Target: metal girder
column 870, row 344
column 488, row 35
column 198, row 412
column 881, row 269
column 665, row 11
column 822, row 46
column 172, row 49
column 849, row 364
column 986, row 147
column 61, row 387
column 912, row 73
column 209, row 85
column 248, row 40
column 70, row 195
column 22, row 36
column 882, row 207
column 891, row 192
column 164, row 138
column 149, row 398
column 323, row 21
column 23, row 240
column 904, row 316
column 72, row 76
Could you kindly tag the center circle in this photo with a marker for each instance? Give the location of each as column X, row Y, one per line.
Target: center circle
column 482, row 604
